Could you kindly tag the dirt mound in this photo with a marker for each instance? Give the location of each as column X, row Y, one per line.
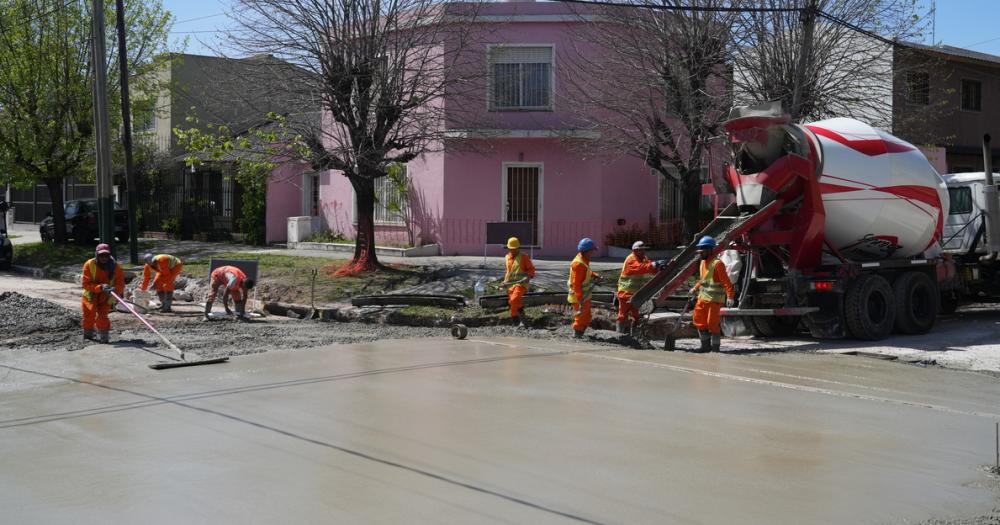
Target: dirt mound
column 27, row 322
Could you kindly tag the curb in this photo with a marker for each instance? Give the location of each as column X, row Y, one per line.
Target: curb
column 37, row 273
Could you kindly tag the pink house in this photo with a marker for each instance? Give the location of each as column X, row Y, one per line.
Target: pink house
column 529, row 162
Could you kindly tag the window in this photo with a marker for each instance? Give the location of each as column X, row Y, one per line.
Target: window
column 961, row 200
column 972, row 95
column 392, row 205
column 144, row 118
column 918, row 88
column 669, row 202
column 520, row 78
column 314, row 194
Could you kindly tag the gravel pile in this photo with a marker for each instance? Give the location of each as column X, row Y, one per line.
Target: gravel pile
column 27, row 322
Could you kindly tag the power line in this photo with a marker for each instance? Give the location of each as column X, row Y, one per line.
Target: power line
column 199, row 18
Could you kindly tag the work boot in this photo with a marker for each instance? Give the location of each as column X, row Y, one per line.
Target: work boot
column 620, row 328
column 578, row 334
column 88, row 334
column 716, row 342
column 706, row 342
column 168, row 302
column 103, row 336
column 523, row 322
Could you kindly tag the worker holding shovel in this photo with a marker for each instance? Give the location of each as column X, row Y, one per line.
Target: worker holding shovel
column 581, row 285
column 236, row 285
column 101, row 275
column 519, row 273
column 713, row 288
column 167, row 268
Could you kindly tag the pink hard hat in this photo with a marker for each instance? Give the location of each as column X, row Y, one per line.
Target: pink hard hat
column 103, row 248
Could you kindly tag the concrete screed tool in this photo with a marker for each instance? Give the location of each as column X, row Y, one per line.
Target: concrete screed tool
column 174, row 364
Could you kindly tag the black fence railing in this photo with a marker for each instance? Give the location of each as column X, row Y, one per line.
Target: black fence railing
column 205, row 203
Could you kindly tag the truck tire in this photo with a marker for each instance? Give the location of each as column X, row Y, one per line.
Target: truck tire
column 775, row 326
column 917, row 301
column 870, row 307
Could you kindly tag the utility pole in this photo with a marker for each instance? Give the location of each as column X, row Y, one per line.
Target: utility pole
column 808, row 18
column 133, row 228
column 106, row 225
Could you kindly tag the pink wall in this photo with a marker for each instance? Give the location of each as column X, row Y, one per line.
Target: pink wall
column 937, row 157
column 284, row 199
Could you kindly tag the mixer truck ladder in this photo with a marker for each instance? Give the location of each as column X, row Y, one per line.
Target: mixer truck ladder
column 727, row 227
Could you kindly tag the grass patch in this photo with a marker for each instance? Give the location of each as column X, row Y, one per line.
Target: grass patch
column 287, row 278
column 54, row 258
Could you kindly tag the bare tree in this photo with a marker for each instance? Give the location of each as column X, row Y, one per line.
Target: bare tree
column 844, row 70
column 377, row 69
column 652, row 79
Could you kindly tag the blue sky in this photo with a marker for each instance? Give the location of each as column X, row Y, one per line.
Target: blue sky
column 973, row 24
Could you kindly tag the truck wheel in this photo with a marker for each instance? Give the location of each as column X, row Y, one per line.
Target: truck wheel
column 775, row 326
column 917, row 300
column 870, row 307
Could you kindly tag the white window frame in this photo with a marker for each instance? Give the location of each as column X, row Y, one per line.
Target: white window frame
column 541, row 195
column 489, row 79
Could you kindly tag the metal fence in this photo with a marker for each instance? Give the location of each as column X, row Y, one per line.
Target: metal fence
column 33, row 204
column 206, row 202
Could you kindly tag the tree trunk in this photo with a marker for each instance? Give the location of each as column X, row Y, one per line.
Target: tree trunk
column 365, row 258
column 55, row 186
column 691, row 202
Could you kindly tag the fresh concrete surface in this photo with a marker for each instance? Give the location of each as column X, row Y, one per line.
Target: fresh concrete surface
column 491, row 431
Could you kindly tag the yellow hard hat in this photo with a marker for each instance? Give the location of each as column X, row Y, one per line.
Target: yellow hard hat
column 513, row 243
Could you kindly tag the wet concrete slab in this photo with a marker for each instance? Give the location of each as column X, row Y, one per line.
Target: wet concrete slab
column 491, row 431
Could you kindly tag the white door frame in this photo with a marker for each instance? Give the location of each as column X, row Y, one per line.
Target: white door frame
column 541, row 194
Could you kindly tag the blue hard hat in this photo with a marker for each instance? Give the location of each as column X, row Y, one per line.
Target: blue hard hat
column 585, row 244
column 707, row 242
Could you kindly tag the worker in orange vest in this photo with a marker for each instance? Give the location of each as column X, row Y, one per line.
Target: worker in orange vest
column 101, row 275
column 235, row 285
column 581, row 285
column 713, row 288
column 520, row 271
column 167, row 268
column 636, row 272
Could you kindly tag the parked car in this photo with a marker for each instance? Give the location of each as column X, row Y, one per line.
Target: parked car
column 81, row 222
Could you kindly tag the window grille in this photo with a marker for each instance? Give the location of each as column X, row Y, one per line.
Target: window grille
column 972, row 95
column 520, row 78
column 918, row 88
column 391, row 204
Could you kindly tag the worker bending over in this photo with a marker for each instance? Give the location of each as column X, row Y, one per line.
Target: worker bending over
column 235, row 285
column 636, row 272
column 581, row 285
column 714, row 288
column 167, row 268
column 520, row 271
column 101, row 275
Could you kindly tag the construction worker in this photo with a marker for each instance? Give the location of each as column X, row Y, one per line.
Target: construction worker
column 713, row 288
column 520, row 271
column 581, row 285
column 636, row 272
column 236, row 286
column 101, row 275
column 167, row 268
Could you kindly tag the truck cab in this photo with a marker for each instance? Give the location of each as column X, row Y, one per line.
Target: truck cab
column 965, row 226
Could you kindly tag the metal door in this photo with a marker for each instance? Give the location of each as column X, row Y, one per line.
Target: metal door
column 523, row 198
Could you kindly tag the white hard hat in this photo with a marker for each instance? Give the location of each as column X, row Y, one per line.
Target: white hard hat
column 639, row 245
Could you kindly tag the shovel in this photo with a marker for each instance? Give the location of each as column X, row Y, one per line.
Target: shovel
column 175, row 364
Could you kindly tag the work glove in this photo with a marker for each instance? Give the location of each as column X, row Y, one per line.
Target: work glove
column 659, row 265
column 693, row 291
column 730, row 302
column 106, row 288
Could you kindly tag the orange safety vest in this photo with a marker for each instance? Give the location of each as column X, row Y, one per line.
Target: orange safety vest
column 709, row 289
column 587, row 287
column 516, row 272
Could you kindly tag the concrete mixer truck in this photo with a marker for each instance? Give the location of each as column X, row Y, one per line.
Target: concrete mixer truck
column 836, row 227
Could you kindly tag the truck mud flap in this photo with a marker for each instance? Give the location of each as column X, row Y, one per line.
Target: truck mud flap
column 828, row 322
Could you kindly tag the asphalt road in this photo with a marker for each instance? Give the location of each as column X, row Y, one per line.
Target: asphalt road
column 491, row 431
